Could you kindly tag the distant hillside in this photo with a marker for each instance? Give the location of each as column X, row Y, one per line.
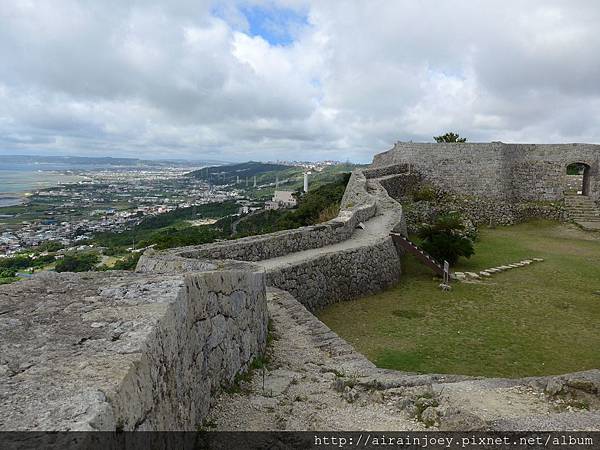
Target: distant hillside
column 230, row 173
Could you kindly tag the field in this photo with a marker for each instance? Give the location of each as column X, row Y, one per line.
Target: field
column 540, row 319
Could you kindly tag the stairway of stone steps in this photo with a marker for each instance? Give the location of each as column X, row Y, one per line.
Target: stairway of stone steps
column 582, row 208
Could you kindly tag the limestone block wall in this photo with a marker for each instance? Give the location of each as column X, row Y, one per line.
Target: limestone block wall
column 476, row 169
column 365, row 262
column 378, row 172
column 539, row 172
column 401, row 185
column 125, row 351
column 493, row 182
column 344, row 275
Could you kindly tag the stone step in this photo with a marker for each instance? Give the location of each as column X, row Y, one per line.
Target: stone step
column 583, row 216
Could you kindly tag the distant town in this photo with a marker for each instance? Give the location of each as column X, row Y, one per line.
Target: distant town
column 117, row 199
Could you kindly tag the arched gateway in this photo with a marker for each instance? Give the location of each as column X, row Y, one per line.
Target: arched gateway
column 578, row 179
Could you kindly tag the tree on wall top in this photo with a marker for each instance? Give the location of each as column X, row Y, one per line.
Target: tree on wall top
column 450, row 137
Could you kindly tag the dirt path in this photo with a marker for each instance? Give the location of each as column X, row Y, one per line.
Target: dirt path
column 299, row 391
column 314, row 380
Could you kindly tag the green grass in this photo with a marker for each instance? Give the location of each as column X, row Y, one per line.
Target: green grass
column 536, row 320
column 8, row 280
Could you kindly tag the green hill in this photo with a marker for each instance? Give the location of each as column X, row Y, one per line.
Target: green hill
column 221, row 175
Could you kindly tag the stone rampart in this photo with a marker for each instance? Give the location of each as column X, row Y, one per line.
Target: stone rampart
column 319, row 264
column 356, row 208
column 491, row 182
column 341, row 275
column 524, row 172
column 125, row 351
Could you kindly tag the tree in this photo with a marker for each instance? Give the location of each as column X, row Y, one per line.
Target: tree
column 450, row 137
column 82, row 262
column 446, row 239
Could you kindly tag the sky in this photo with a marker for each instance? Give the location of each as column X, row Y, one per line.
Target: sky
column 293, row 79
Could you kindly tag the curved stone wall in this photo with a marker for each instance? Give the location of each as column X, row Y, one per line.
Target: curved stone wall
column 356, row 207
column 320, row 264
column 338, row 276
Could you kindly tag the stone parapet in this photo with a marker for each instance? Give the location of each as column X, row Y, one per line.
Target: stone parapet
column 124, row 351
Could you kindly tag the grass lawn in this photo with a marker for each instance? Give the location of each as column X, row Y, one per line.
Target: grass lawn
column 540, row 319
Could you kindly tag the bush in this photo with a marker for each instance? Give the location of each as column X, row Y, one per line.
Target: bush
column 446, row 239
column 426, row 193
column 16, row 263
column 127, row 263
column 50, row 246
column 316, row 206
column 78, row 262
column 8, row 273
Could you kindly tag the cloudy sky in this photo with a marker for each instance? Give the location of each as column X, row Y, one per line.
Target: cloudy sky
column 293, row 79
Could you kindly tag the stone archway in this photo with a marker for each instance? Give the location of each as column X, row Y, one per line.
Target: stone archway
column 578, row 179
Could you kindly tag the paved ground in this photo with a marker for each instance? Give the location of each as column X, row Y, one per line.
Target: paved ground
column 375, row 229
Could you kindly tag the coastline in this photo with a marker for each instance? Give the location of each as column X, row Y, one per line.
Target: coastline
column 11, row 199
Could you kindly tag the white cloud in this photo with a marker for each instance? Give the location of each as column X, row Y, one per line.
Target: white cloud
column 187, row 79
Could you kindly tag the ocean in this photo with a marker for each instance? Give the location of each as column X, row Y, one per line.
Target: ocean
column 18, row 179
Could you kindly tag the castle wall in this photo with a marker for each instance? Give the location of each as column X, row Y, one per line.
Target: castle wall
column 539, row 172
column 524, row 172
column 103, row 351
column 367, row 265
column 356, row 208
column 473, row 169
column 339, row 276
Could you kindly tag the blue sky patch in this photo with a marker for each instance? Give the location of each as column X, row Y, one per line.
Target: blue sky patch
column 278, row 26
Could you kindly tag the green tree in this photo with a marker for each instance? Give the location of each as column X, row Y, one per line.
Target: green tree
column 77, row 262
column 50, row 246
column 446, row 239
column 450, row 137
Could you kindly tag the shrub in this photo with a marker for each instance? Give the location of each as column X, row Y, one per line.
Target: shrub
column 426, row 193
column 77, row 262
column 329, row 213
column 127, row 263
column 8, row 273
column 446, row 238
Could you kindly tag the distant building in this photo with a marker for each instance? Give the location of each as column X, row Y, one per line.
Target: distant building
column 281, row 199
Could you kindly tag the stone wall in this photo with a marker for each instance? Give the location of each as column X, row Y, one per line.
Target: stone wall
column 356, row 207
column 344, row 275
column 401, row 185
column 524, row 172
column 125, row 351
column 480, row 211
column 353, row 263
